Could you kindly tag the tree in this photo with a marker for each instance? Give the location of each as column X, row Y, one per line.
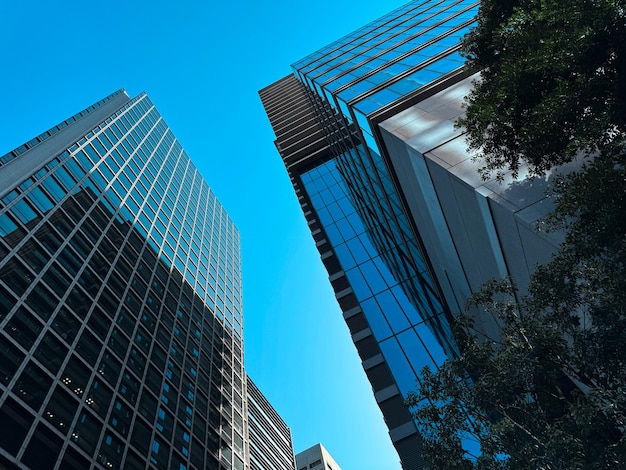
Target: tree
column 553, row 81
column 518, row 396
column 550, row 391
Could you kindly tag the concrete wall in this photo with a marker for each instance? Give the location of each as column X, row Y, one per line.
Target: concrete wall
column 473, row 230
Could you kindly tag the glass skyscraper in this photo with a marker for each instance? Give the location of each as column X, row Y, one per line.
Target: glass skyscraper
column 392, row 61
column 120, row 301
column 405, row 226
column 326, row 118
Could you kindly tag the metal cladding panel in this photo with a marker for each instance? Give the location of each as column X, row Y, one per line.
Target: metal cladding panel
column 299, row 136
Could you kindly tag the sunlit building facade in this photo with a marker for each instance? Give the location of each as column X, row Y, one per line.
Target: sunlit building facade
column 120, row 301
column 361, row 125
column 316, row 458
column 405, row 225
column 270, row 444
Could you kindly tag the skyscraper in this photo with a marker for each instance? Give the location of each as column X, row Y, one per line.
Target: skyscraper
column 403, row 222
column 120, row 301
column 270, row 445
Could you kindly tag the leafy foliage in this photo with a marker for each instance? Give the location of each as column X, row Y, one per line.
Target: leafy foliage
column 550, row 392
column 553, row 81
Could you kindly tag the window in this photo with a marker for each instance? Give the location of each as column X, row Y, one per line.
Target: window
column 12, row 358
column 6, row 225
column 75, row 376
column 118, row 343
column 110, row 368
column 129, row 387
column 60, row 410
column 56, row 279
column 16, row 276
column 121, row 416
column 23, row 327
column 51, row 353
column 43, row 448
column 23, row 211
column 99, row 397
column 39, row 199
column 88, row 348
column 141, row 435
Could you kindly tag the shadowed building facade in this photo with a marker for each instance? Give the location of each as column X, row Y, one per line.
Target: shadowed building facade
column 120, row 301
column 404, row 224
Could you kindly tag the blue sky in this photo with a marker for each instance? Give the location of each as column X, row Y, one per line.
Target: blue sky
column 202, row 64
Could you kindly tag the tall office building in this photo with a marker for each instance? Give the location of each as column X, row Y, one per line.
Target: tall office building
column 316, row 458
column 120, row 301
column 270, row 444
column 404, row 224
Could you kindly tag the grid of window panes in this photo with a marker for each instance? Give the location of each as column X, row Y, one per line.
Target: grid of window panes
column 270, row 438
column 393, row 56
column 402, row 310
column 389, row 58
column 139, row 169
column 120, row 308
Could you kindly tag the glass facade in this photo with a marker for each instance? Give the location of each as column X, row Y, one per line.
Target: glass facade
column 353, row 194
column 389, row 59
column 349, row 193
column 394, row 292
column 120, row 302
